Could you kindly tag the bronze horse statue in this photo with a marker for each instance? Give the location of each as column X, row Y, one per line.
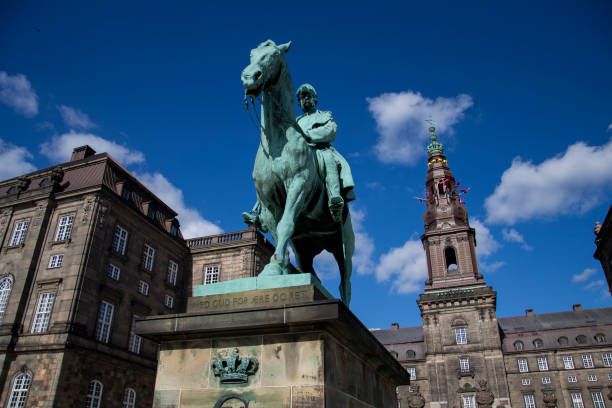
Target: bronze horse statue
column 291, row 195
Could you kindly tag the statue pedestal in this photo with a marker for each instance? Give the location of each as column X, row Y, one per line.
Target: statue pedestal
column 310, row 354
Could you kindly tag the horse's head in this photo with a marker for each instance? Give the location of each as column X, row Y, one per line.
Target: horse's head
column 267, row 61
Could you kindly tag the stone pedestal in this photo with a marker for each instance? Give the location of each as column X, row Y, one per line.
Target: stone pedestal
column 297, row 355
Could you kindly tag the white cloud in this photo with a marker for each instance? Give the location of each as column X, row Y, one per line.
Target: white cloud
column 610, row 126
column 512, row 235
column 16, row 92
column 583, row 276
column 407, row 266
column 486, row 244
column 400, row 121
column 15, row 160
column 575, row 181
column 595, row 284
column 60, row 148
column 192, row 223
column 74, row 118
column 364, row 244
column 490, row 267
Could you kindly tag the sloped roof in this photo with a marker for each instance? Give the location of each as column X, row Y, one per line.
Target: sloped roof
column 558, row 320
column 401, row 335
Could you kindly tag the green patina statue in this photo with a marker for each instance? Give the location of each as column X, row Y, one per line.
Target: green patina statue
column 298, row 176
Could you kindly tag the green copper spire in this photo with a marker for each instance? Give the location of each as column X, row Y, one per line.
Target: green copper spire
column 434, row 146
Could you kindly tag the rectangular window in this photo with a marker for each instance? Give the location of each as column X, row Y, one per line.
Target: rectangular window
column 411, row 372
column 572, row 379
column 172, row 272
column 143, row 287
column 469, row 401
column 522, row 365
column 64, row 227
column 120, row 240
column 113, row 272
column 598, row 401
column 211, row 275
column 148, row 258
column 169, row 302
column 607, row 359
column 587, row 360
column 542, row 364
column 19, row 233
column 464, row 365
column 525, row 381
column 135, row 340
column 460, row 335
column 577, row 400
column 592, row 377
column 43, row 312
column 568, row 362
column 105, row 318
column 56, row 261
column 545, row 380
column 529, row 401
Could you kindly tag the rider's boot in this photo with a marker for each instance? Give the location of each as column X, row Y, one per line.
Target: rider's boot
column 336, row 205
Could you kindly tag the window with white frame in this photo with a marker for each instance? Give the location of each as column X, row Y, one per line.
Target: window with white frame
column 94, row 395
column 129, row 398
column 105, row 319
column 135, row 340
column 469, row 401
column 522, row 365
column 525, row 381
column 148, row 257
column 542, row 364
column 607, row 359
column 587, row 361
column 592, row 377
column 6, row 285
column 598, row 401
column 43, row 312
column 568, row 362
column 120, row 240
column 577, row 400
column 19, row 392
column 19, row 233
column 610, row 376
column 56, row 261
column 411, row 372
column 143, row 287
column 169, row 301
column 546, row 380
column 64, row 227
column 211, row 274
column 572, row 379
column 464, row 364
column 529, row 401
column 172, row 272
column 113, row 272
column 460, row 335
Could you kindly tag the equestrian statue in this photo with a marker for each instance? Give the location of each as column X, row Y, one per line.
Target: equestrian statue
column 303, row 184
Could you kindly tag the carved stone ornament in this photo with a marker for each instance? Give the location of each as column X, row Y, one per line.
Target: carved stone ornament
column 235, row 369
column 230, row 397
column 550, row 401
column 484, row 397
column 415, row 399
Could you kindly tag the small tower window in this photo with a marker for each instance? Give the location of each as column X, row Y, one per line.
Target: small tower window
column 451, row 261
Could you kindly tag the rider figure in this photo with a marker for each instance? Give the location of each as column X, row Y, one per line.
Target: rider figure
column 320, row 130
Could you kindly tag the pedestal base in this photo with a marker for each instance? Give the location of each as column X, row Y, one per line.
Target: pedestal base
column 314, row 354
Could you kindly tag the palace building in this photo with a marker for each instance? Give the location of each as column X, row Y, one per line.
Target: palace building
column 85, row 248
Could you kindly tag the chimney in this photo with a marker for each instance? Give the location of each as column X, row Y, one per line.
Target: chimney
column 82, row 153
column 529, row 312
column 394, row 326
column 577, row 307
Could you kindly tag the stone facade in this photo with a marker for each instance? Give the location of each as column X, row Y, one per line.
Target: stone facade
column 603, row 241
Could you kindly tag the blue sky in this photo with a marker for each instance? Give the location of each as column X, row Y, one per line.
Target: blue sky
column 521, row 90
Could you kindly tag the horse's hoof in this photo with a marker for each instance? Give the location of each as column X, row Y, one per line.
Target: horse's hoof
column 271, row 269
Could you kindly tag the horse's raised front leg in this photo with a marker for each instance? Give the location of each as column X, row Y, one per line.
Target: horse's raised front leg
column 279, row 264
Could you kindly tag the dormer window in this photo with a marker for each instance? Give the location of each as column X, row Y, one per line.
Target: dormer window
column 537, row 343
column 151, row 212
column 518, row 345
column 173, row 230
column 126, row 193
column 451, row 261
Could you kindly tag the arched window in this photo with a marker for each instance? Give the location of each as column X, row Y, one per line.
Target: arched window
column 600, row 338
column 451, row 260
column 129, row 398
column 6, row 285
column 518, row 345
column 94, row 394
column 581, row 339
column 19, row 393
column 537, row 343
column 394, row 354
column 410, row 354
column 562, row 341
